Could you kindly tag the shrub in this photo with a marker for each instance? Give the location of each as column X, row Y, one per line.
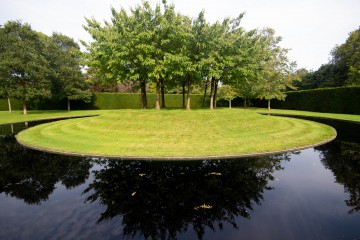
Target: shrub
column 333, row 100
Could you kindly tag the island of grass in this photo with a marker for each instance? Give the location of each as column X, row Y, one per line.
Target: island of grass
column 176, row 134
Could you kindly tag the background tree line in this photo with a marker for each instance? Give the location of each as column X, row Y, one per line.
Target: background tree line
column 343, row 69
column 162, row 51
column 34, row 65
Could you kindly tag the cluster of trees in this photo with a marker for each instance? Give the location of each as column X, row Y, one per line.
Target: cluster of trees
column 343, row 68
column 34, row 65
column 163, row 48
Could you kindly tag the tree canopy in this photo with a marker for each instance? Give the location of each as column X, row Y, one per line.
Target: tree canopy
column 34, row 65
column 162, row 47
column 147, row 47
column 343, row 69
column 64, row 57
column 23, row 64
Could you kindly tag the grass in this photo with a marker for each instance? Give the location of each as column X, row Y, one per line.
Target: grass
column 347, row 117
column 175, row 134
column 18, row 116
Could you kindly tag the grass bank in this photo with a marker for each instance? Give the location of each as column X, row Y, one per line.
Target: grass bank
column 347, row 117
column 176, row 134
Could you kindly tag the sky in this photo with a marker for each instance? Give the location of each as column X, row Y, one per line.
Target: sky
column 310, row 28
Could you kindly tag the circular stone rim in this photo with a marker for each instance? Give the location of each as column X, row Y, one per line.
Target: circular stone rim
column 162, row 158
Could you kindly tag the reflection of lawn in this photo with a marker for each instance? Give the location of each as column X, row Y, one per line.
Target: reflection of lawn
column 348, row 117
column 176, row 133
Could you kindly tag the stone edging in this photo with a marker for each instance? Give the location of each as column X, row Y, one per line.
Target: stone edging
column 163, row 158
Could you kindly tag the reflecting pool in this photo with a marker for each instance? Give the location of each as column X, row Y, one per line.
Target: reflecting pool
column 308, row 194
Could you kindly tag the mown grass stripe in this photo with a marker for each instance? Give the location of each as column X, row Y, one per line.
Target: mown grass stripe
column 176, row 133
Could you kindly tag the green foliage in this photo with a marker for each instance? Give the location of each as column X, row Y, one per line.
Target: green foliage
column 24, row 69
column 332, row 100
column 143, row 37
column 342, row 70
column 348, row 54
column 328, row 75
column 157, row 47
column 63, row 55
column 276, row 67
column 227, row 92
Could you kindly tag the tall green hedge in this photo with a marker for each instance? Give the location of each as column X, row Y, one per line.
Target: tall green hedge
column 105, row 101
column 133, row 100
column 16, row 104
column 333, row 100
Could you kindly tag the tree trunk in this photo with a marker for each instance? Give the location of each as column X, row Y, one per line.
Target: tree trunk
column 245, row 103
column 162, row 93
column 212, row 83
column 158, row 90
column 9, row 103
column 24, row 107
column 215, row 92
column 188, row 96
column 183, row 93
column 143, row 95
column 12, row 128
column 206, row 87
column 268, row 104
column 229, row 103
column 68, row 104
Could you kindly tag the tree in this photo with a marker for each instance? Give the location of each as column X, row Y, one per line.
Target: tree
column 343, row 68
column 195, row 53
column 24, row 68
column 64, row 59
column 228, row 93
column 275, row 68
column 126, row 48
column 5, row 86
column 247, row 59
column 224, row 51
column 346, row 57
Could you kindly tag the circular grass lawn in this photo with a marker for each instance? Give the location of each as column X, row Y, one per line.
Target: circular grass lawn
column 176, row 134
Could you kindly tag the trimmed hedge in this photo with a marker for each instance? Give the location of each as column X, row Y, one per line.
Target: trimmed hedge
column 105, row 101
column 332, row 100
column 16, row 104
column 133, row 100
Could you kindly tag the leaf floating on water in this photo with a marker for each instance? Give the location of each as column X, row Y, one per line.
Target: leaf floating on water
column 213, row 173
column 204, row 206
column 133, row 194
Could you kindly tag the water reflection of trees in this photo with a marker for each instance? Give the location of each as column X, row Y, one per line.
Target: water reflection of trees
column 343, row 159
column 160, row 199
column 31, row 175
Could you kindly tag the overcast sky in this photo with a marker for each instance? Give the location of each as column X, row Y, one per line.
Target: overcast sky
column 310, row 28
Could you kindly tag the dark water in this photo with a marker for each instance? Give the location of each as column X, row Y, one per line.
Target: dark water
column 310, row 194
